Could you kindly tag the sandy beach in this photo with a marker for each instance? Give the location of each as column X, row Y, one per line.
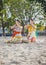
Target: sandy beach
column 23, row 53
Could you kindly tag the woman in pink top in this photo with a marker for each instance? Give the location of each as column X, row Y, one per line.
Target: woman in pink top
column 17, row 29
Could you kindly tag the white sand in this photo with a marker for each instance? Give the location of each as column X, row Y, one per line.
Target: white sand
column 23, row 53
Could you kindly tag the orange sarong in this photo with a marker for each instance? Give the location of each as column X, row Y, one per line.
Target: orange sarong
column 15, row 33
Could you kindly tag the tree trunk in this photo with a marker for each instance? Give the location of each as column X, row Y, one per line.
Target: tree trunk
column 1, row 14
column 3, row 28
column 23, row 28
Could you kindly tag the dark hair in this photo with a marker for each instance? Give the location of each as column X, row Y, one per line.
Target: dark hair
column 31, row 19
column 18, row 20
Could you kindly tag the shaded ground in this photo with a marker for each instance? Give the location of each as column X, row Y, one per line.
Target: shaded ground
column 23, row 54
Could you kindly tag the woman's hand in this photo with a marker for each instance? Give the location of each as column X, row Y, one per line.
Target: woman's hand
column 12, row 27
column 26, row 26
column 9, row 27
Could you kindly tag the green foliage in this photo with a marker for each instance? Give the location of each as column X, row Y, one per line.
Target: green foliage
column 22, row 9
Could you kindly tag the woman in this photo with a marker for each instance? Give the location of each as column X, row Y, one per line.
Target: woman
column 17, row 29
column 31, row 31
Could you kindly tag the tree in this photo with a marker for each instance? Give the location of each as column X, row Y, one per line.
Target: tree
column 22, row 9
column 1, row 14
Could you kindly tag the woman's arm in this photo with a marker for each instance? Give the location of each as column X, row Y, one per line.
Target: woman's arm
column 33, row 25
column 26, row 26
column 12, row 27
column 19, row 25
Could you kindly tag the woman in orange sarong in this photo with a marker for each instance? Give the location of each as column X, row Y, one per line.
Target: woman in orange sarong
column 17, row 28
